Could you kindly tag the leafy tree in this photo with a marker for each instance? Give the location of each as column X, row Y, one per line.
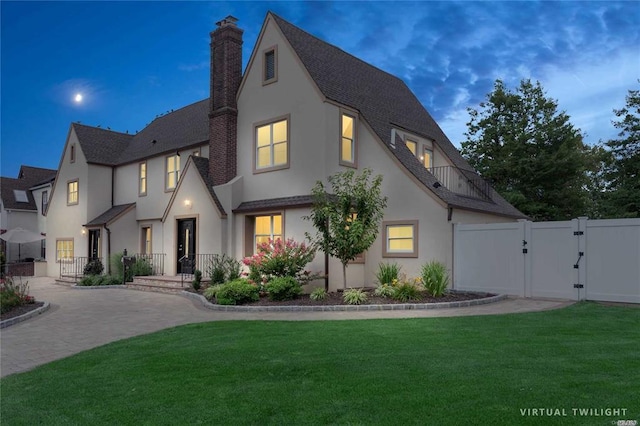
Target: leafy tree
column 347, row 221
column 624, row 176
column 529, row 151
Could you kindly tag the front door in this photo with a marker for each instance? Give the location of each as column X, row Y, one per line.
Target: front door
column 186, row 253
column 94, row 243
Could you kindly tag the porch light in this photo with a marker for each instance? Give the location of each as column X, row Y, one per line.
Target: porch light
column 83, row 231
column 188, row 204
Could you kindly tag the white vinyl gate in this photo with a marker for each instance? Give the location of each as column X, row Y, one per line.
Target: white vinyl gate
column 577, row 259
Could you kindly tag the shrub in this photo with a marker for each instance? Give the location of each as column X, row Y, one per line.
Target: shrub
column 384, row 290
column 116, row 264
column 279, row 259
column 211, row 291
column 140, row 268
column 354, row 296
column 318, row 294
column 94, row 267
column 14, row 294
column 96, row 280
column 435, row 278
column 405, row 291
column 283, row 288
column 387, row 273
column 223, row 269
column 237, row 292
column 197, row 280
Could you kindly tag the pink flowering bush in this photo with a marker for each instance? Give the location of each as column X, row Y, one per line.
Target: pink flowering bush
column 277, row 258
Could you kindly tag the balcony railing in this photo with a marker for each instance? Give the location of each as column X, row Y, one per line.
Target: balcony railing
column 463, row 182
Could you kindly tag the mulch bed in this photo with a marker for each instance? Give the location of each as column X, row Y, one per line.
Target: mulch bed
column 336, row 299
column 20, row 310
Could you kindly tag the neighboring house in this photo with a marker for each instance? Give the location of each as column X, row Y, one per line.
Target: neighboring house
column 224, row 173
column 23, row 205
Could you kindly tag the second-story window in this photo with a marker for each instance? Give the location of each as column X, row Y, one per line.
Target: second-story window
column 427, row 158
column 173, row 172
column 272, row 145
column 72, row 192
column 45, row 201
column 348, row 146
column 413, row 146
column 142, row 186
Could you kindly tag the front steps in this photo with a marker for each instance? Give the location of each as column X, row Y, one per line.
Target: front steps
column 161, row 283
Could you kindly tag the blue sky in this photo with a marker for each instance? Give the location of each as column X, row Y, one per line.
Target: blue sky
column 134, row 60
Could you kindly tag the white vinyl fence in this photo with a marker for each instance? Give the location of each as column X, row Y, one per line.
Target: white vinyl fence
column 578, row 259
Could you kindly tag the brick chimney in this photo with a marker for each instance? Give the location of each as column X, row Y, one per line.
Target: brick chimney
column 226, row 74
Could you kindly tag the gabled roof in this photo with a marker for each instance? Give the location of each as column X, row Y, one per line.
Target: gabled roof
column 27, row 178
column 111, row 215
column 101, row 146
column 384, row 102
column 174, row 131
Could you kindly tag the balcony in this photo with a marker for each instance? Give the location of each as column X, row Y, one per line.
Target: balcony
column 462, row 182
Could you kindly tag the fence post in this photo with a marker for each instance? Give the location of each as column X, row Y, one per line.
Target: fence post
column 526, row 256
column 582, row 248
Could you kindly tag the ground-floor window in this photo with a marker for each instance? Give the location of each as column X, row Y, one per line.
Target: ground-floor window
column 400, row 238
column 64, row 249
column 146, row 240
column 260, row 229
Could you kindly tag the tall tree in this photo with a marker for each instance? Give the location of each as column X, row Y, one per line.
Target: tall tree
column 530, row 152
column 624, row 196
column 347, row 221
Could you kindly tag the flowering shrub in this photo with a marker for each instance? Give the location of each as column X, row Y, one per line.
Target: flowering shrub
column 13, row 294
column 280, row 259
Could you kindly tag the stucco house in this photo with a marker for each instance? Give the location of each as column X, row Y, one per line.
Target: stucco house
column 23, row 202
column 224, row 173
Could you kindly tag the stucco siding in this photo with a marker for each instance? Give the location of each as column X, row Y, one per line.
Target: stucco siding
column 65, row 221
column 210, row 232
column 293, row 95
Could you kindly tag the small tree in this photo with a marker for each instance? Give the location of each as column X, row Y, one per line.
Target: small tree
column 347, row 221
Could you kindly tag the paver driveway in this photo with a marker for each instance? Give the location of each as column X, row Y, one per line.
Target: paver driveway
column 83, row 319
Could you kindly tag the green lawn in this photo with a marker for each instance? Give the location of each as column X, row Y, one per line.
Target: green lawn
column 459, row 371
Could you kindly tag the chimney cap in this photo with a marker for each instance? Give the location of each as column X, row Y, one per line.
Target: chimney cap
column 229, row 20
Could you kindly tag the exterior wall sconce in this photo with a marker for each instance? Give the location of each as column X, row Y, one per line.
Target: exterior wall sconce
column 188, row 204
column 83, row 231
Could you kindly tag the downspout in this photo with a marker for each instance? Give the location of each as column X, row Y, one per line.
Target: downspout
column 108, row 260
column 108, row 249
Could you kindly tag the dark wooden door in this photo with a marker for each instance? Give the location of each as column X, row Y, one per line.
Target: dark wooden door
column 186, row 249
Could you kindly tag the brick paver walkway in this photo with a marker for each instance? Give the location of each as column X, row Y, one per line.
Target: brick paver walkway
column 83, row 319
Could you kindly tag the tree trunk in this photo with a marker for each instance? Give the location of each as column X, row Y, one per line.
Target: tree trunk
column 344, row 276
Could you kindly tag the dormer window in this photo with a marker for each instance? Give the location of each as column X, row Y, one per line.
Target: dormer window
column 413, row 146
column 270, row 65
column 427, row 158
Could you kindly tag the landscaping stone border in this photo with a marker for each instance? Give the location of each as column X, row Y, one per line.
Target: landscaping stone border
column 15, row 320
column 342, row 308
column 96, row 287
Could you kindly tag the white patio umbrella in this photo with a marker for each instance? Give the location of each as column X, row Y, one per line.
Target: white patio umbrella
column 21, row 236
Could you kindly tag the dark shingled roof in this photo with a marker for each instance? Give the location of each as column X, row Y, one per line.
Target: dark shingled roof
column 177, row 130
column 275, row 203
column 27, row 177
column 202, row 165
column 110, row 215
column 385, row 102
column 101, row 146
